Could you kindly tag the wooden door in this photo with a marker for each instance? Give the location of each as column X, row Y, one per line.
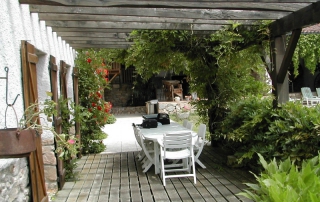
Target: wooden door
column 57, row 124
column 30, row 95
column 75, row 77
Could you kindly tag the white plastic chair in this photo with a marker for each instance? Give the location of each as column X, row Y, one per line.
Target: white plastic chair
column 176, row 146
column 189, row 125
column 147, row 149
column 140, row 155
column 148, row 152
column 308, row 97
column 185, row 122
column 198, row 146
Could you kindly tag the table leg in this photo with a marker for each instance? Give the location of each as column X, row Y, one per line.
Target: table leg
column 156, row 157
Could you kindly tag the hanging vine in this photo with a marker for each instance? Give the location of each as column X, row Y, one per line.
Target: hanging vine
column 308, row 49
column 219, row 66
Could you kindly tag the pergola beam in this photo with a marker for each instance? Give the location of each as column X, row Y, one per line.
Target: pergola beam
column 305, row 17
column 209, row 14
column 133, row 25
column 216, row 4
column 121, row 18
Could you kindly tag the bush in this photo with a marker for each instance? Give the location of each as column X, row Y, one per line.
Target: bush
column 111, row 119
column 253, row 126
column 285, row 182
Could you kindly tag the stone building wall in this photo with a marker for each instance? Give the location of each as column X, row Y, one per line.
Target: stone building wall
column 18, row 24
column 14, row 180
column 118, row 95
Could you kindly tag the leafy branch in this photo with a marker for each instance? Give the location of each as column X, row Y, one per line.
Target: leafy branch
column 67, row 146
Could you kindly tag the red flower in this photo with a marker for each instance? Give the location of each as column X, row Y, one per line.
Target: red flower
column 89, row 60
column 99, row 95
column 99, row 108
column 107, row 106
column 94, row 104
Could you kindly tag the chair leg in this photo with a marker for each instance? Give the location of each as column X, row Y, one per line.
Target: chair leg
column 163, row 172
column 147, row 167
column 194, row 170
column 140, row 155
column 200, row 163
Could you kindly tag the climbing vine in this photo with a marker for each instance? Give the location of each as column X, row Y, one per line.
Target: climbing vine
column 308, row 49
column 222, row 67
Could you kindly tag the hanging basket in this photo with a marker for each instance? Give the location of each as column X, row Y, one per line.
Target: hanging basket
column 15, row 143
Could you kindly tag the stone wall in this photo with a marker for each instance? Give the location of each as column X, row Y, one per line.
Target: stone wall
column 128, row 110
column 174, row 107
column 14, row 180
column 119, row 94
column 50, row 166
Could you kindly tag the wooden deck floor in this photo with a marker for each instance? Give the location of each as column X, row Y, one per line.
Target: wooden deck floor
column 119, row 177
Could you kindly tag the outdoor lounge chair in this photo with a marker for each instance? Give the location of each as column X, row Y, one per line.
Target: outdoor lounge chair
column 318, row 92
column 308, row 97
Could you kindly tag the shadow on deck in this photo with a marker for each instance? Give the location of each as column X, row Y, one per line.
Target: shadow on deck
column 119, row 177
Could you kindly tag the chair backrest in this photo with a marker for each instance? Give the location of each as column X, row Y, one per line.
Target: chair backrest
column 318, row 92
column 202, row 131
column 176, row 141
column 184, row 123
column 306, row 92
column 189, row 125
column 136, row 131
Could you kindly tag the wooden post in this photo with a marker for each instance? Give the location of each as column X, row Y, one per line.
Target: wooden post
column 280, row 90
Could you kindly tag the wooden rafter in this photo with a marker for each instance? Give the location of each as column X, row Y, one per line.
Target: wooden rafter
column 219, row 4
column 84, row 23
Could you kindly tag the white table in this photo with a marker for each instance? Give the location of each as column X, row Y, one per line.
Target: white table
column 157, row 133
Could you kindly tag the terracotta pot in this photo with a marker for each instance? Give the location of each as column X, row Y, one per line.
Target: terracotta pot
column 14, row 144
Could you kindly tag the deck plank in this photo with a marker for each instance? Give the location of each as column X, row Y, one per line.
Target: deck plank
column 119, row 177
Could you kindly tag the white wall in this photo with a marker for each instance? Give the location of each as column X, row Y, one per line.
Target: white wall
column 18, row 24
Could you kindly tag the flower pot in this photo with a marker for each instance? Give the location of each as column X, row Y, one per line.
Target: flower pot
column 16, row 144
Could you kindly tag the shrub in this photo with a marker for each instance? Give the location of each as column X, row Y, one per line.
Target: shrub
column 253, row 126
column 285, row 182
column 111, row 119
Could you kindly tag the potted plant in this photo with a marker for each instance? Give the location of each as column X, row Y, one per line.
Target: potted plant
column 19, row 142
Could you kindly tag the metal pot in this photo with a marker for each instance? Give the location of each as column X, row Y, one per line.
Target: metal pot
column 16, row 143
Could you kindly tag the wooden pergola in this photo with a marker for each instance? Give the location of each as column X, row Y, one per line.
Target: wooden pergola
column 107, row 23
